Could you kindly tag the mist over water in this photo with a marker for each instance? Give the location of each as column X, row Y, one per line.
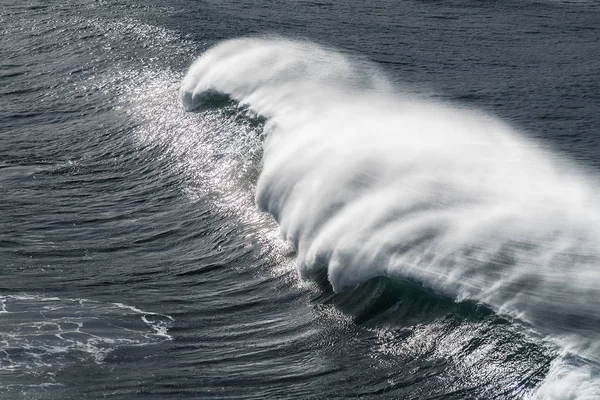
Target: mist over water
column 367, row 181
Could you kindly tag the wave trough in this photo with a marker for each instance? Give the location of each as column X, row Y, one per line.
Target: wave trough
column 367, row 181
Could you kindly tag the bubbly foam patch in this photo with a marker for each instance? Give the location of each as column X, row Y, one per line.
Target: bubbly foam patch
column 40, row 335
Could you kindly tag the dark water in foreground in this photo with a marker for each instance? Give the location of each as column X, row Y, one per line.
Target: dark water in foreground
column 134, row 262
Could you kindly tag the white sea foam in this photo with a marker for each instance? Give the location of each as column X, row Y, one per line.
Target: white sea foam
column 365, row 181
column 567, row 380
column 40, row 335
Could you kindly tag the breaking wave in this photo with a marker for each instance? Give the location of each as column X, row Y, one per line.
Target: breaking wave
column 368, row 181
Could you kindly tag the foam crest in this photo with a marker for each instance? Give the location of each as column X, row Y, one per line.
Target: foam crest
column 568, row 380
column 366, row 181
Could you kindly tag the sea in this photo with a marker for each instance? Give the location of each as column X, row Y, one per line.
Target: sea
column 300, row 199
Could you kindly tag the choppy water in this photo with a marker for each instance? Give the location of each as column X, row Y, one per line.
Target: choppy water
column 153, row 252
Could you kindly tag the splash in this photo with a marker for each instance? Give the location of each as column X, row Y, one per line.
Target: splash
column 366, row 181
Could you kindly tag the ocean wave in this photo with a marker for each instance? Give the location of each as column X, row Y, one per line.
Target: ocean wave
column 367, row 181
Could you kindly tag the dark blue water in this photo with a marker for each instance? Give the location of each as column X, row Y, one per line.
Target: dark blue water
column 134, row 262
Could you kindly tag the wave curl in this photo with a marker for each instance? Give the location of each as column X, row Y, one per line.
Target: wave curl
column 367, row 181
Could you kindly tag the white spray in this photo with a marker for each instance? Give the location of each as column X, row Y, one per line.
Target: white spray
column 366, row 182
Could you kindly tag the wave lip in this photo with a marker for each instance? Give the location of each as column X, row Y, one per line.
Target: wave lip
column 208, row 98
column 365, row 182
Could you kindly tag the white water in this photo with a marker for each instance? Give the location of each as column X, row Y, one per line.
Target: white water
column 366, row 182
column 41, row 336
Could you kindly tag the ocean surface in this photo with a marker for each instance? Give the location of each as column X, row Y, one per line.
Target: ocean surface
column 300, row 199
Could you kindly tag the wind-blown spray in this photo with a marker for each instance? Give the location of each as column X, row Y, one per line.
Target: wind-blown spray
column 367, row 182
